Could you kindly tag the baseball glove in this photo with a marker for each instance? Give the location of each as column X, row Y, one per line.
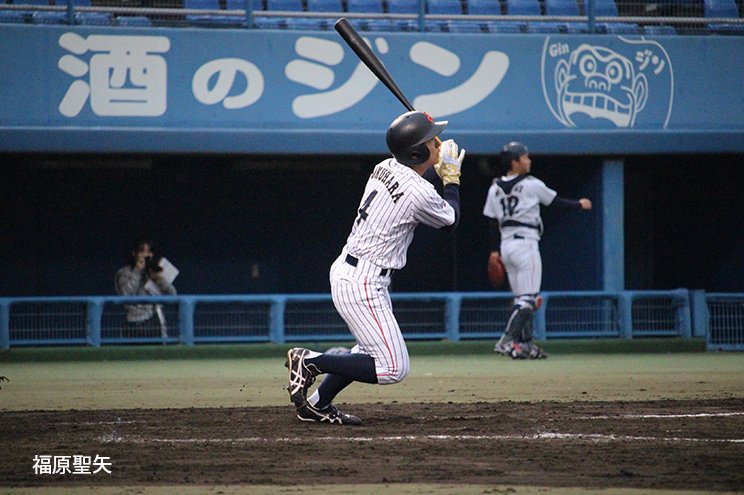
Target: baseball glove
column 496, row 271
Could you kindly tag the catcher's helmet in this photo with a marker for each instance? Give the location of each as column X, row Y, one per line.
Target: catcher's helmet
column 407, row 136
column 512, row 151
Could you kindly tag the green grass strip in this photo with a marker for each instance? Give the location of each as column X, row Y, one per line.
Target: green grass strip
column 416, row 348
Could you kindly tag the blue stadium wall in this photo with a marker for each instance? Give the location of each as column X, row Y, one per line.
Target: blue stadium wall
column 244, row 153
column 251, row 91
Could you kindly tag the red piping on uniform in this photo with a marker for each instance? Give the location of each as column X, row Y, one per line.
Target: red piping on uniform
column 382, row 332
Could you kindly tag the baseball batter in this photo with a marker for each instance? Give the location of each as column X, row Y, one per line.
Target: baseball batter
column 399, row 195
column 513, row 205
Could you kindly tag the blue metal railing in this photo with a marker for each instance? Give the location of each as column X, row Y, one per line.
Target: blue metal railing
column 195, row 319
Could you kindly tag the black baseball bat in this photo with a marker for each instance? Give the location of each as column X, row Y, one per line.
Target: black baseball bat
column 366, row 55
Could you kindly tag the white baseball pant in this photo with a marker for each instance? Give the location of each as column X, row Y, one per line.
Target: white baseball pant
column 523, row 265
column 360, row 294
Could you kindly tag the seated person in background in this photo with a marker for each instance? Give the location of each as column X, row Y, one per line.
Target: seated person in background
column 143, row 320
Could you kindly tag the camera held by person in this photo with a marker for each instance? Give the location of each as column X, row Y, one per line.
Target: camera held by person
column 144, row 276
column 153, row 265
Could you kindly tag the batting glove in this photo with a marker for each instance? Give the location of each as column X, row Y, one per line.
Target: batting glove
column 450, row 162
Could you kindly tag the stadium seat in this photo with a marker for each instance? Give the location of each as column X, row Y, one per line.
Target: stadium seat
column 532, row 7
column 279, row 6
column 295, row 23
column 270, row 22
column 378, row 25
column 546, row 27
column 365, row 6
column 493, row 7
column 576, row 27
column 240, row 5
column 720, row 8
column 284, row 5
column 561, row 7
column 368, row 7
column 403, row 6
column 505, row 27
column 605, row 8
column 30, row 2
column 483, row 7
column 307, row 23
column 522, row 7
column 201, row 4
column 134, row 20
column 49, row 17
column 202, row 20
column 619, row 28
column 258, row 20
column 656, row 30
column 27, row 14
column 723, row 8
column 444, row 7
column 566, row 8
column 324, row 6
column 608, row 8
column 13, row 17
column 463, row 26
column 94, row 18
column 217, row 20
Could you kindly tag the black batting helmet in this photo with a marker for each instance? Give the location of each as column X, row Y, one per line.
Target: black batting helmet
column 407, row 136
column 512, row 151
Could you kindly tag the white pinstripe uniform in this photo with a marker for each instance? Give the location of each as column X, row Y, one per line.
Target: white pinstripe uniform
column 515, row 202
column 396, row 199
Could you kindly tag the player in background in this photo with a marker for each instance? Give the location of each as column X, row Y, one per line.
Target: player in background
column 515, row 226
column 399, row 195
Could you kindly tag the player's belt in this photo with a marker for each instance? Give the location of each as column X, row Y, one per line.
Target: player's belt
column 384, row 272
column 514, row 223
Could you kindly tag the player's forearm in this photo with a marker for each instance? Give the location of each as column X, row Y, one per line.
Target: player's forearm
column 451, row 194
column 566, row 204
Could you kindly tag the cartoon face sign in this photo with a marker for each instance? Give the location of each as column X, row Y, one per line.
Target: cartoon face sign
column 599, row 86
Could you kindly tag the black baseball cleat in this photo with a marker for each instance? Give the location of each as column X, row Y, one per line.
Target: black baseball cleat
column 300, row 376
column 537, row 353
column 328, row 414
column 519, row 351
column 527, row 350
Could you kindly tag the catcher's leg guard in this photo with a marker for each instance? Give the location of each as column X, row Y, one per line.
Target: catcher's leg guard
column 519, row 325
column 527, row 328
column 521, row 328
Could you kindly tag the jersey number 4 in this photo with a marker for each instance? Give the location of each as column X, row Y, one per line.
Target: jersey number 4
column 365, row 206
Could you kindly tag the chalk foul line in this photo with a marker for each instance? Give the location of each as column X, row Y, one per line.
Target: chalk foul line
column 588, row 437
column 666, row 416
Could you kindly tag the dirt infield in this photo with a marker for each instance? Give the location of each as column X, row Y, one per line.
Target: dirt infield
column 660, row 444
